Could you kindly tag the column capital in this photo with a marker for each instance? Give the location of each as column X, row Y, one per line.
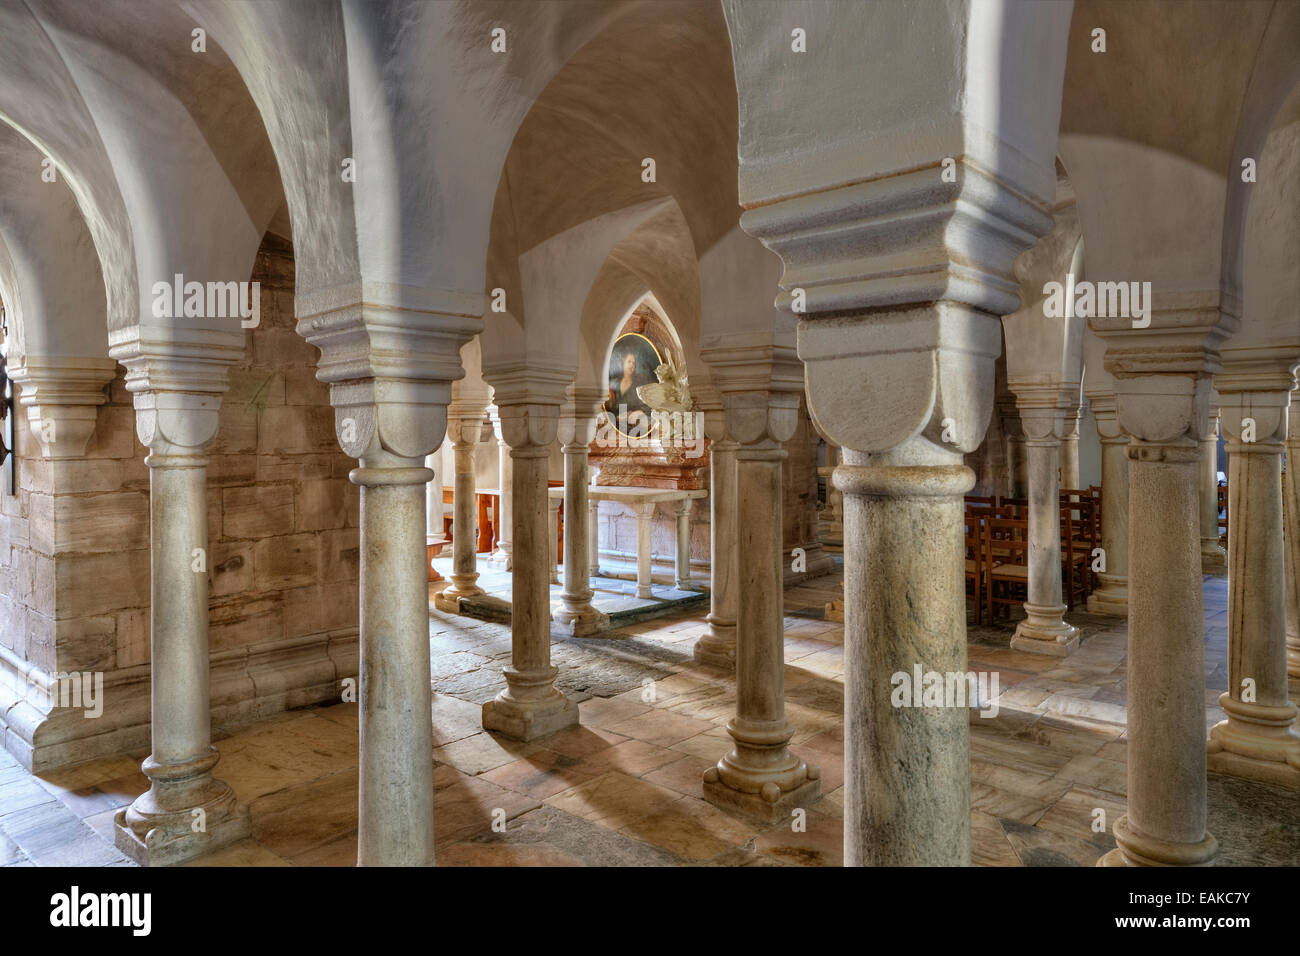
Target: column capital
column 61, row 394
column 177, row 382
column 529, row 428
column 889, row 293
column 1182, row 338
column 1160, row 409
column 389, row 354
column 579, row 416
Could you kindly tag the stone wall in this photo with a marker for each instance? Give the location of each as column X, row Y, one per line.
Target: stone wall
column 282, row 559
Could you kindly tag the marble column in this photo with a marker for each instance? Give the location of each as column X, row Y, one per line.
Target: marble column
column 682, row 512
column 760, row 777
column 395, row 774
column 393, row 363
column 531, row 706
column 1069, row 473
column 577, row 428
column 502, row 556
column 1292, row 509
column 1017, row 466
column 464, row 432
column 186, row 811
column 1258, row 739
column 907, row 769
column 645, row 514
column 593, row 544
column 1167, row 789
column 1044, row 629
column 717, row 646
column 1213, row 557
column 1111, row 596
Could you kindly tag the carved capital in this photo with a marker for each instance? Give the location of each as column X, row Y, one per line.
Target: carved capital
column 529, row 428
column 61, row 395
column 1160, row 409
column 579, row 416
column 177, row 381
column 389, row 354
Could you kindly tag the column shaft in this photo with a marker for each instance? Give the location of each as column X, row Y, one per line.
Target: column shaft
column 1212, row 555
column 186, row 811
column 760, row 776
column 575, row 610
column 907, row 768
column 644, row 573
column 505, row 533
column 1257, row 740
column 683, row 514
column 717, row 646
column 1044, row 630
column 1111, row 596
column 530, row 706
column 395, row 775
column 1165, row 823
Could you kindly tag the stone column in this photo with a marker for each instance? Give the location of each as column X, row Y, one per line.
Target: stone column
column 392, row 362
column 1258, row 739
column 645, row 513
column 1017, row 464
column 576, row 430
column 682, row 511
column 531, row 706
column 464, row 430
column 759, row 777
column 1292, row 508
column 1164, row 415
column 593, row 527
column 395, row 775
column 1213, row 557
column 1044, row 629
column 1111, row 596
column 1069, row 473
column 501, row 557
column 717, row 646
column 186, row 811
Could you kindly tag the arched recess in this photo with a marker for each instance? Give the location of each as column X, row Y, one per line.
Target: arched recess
column 55, row 294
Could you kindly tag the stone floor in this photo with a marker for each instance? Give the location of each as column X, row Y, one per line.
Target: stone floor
column 624, row 788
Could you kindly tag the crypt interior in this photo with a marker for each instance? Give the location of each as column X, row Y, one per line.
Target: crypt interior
column 627, row 433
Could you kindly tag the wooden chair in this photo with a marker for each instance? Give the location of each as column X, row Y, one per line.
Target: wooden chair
column 1075, row 562
column 1006, row 543
column 981, row 501
column 1085, row 534
column 976, row 564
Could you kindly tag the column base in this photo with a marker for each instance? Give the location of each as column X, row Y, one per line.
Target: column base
column 530, row 718
column 1138, row 850
column 717, row 650
column 158, row 829
column 1256, row 742
column 580, row 623
column 1213, row 557
column 835, row 611
column 503, row 560
column 1043, row 631
column 770, row 804
column 1111, row 596
column 448, row 599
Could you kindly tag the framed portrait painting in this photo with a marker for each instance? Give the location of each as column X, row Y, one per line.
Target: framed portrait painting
column 632, row 364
